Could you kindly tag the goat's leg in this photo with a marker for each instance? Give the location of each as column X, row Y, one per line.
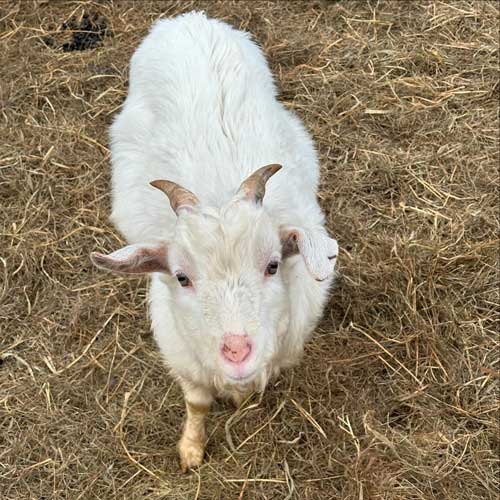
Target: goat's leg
column 192, row 443
column 238, row 397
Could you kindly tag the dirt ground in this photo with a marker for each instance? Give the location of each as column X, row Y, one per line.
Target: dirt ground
column 397, row 394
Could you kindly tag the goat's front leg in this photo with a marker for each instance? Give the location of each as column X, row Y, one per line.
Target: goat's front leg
column 192, row 443
column 238, row 397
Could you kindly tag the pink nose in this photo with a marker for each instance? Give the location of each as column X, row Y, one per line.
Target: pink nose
column 236, row 348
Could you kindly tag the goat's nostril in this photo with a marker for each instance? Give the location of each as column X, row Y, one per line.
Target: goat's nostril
column 236, row 348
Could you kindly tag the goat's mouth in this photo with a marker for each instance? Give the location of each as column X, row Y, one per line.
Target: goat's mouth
column 241, row 378
column 240, row 373
column 238, row 356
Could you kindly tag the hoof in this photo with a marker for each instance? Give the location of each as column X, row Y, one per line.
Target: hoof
column 190, row 453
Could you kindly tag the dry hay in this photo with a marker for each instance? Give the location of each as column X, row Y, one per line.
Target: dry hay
column 397, row 397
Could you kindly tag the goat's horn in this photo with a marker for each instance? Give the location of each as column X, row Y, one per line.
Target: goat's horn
column 180, row 198
column 253, row 187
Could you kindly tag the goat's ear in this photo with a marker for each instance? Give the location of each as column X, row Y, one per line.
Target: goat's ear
column 134, row 259
column 316, row 248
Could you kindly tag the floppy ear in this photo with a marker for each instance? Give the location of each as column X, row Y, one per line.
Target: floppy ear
column 317, row 249
column 134, row 259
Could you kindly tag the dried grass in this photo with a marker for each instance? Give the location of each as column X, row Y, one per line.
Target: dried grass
column 397, row 397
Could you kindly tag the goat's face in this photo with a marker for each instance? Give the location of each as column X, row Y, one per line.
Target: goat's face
column 227, row 289
column 222, row 266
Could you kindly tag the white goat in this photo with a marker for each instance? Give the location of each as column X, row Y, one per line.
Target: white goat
column 239, row 281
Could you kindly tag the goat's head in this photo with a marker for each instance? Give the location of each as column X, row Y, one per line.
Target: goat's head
column 222, row 267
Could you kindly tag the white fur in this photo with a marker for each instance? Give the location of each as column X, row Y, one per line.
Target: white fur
column 202, row 111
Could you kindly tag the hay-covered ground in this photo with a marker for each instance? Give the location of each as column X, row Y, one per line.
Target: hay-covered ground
column 397, row 395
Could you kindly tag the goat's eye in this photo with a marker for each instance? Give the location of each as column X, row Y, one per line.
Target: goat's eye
column 272, row 268
column 183, row 279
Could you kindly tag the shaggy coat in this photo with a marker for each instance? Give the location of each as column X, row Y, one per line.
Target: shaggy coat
column 202, row 112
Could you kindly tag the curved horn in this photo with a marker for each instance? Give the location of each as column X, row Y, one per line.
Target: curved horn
column 253, row 187
column 180, row 198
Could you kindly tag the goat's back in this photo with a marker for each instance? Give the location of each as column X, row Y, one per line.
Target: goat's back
column 201, row 111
